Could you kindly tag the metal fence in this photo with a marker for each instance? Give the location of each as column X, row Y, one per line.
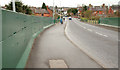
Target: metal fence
column 110, row 21
column 17, row 30
column 93, row 21
column 89, row 21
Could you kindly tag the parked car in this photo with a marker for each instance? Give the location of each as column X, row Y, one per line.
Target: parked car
column 70, row 18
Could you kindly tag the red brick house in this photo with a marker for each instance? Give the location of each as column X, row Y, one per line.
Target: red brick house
column 79, row 11
column 110, row 11
column 42, row 12
column 50, row 11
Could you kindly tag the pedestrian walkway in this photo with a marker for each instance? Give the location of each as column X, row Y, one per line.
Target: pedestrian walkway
column 52, row 44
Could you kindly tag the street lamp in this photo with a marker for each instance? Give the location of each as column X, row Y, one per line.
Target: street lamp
column 13, row 1
column 53, row 11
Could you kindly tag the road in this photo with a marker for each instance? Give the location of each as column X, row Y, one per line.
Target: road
column 53, row 44
column 99, row 43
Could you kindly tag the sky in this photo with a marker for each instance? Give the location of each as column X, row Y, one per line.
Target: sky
column 64, row 3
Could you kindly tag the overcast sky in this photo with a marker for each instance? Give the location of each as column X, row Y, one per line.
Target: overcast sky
column 63, row 3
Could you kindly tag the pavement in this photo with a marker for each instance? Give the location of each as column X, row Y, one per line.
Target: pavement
column 53, row 44
column 99, row 43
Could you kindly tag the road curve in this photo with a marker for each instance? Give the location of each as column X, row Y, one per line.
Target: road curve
column 52, row 44
column 99, row 43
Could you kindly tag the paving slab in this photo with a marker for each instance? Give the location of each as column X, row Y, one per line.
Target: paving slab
column 57, row 64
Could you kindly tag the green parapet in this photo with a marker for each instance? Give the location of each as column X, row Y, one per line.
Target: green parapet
column 0, row 38
column 113, row 21
column 18, row 31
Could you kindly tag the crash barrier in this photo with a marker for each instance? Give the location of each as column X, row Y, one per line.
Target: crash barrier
column 114, row 21
column 18, row 33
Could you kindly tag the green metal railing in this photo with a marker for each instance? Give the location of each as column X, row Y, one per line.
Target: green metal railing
column 110, row 21
column 17, row 31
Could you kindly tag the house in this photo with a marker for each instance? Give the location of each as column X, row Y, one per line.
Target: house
column 98, row 10
column 79, row 11
column 115, row 8
column 50, row 10
column 42, row 12
column 110, row 11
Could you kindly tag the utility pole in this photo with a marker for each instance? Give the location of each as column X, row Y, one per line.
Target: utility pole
column 13, row 1
column 53, row 11
column 60, row 9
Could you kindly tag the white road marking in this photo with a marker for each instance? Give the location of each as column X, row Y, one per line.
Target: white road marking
column 85, row 24
column 98, row 33
column 101, row 34
column 84, row 27
column 89, row 30
column 105, row 35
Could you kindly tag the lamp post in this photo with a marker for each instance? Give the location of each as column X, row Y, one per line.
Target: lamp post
column 60, row 10
column 13, row 1
column 53, row 12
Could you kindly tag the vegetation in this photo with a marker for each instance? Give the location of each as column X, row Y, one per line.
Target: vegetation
column 56, row 7
column 72, row 10
column 44, row 6
column 84, row 19
column 19, row 8
column 84, row 8
column 88, row 14
column 57, row 16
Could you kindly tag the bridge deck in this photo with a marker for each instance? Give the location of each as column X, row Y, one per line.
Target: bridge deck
column 53, row 45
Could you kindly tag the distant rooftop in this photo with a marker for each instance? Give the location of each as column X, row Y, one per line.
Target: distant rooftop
column 41, row 11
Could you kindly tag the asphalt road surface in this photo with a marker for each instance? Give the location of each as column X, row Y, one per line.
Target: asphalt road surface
column 99, row 43
column 52, row 44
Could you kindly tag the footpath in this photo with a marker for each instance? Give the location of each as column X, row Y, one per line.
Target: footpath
column 53, row 50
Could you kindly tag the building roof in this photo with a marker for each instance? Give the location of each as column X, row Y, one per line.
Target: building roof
column 41, row 11
column 115, row 7
column 80, row 8
column 97, row 9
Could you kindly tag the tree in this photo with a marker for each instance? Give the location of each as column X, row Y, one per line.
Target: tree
column 44, row 6
column 19, row 7
column 56, row 7
column 28, row 11
column 88, row 14
column 72, row 10
column 24, row 8
column 85, row 8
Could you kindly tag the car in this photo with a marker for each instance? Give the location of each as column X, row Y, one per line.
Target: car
column 63, row 18
column 70, row 18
